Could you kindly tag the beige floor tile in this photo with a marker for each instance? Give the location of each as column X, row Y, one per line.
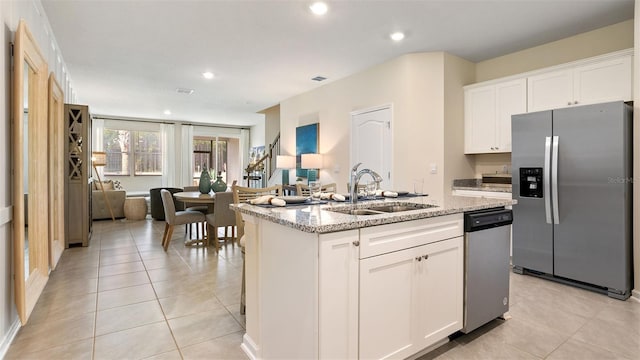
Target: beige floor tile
column 119, row 259
column 196, row 328
column 225, row 347
column 574, row 349
column 171, row 355
column 168, row 274
column 181, row 286
column 235, row 312
column 117, row 269
column 70, row 286
column 129, row 316
column 55, row 306
column 125, row 296
column 45, row 335
column 539, row 313
column 80, row 350
column 123, row 280
column 617, row 332
column 534, row 339
column 186, row 304
column 137, row 343
column 119, row 251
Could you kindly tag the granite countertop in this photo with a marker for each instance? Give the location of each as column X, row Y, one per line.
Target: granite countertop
column 320, row 218
column 478, row 185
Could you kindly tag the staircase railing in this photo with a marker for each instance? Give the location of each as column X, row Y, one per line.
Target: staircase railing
column 266, row 164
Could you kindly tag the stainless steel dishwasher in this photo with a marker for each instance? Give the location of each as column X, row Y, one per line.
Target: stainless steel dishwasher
column 486, row 266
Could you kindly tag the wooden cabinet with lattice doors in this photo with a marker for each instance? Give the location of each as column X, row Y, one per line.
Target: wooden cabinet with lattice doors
column 78, row 175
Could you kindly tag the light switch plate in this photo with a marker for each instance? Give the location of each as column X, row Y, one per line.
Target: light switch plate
column 433, row 168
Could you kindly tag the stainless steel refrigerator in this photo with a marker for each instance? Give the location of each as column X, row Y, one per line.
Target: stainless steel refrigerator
column 572, row 178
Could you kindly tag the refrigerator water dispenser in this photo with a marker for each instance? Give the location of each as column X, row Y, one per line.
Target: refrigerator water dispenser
column 531, row 182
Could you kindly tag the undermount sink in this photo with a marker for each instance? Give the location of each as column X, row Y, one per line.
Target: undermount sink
column 382, row 209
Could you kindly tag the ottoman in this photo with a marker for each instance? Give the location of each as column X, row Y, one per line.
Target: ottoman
column 135, row 208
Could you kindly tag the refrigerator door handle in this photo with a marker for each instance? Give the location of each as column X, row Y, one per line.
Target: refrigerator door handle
column 546, row 178
column 554, row 180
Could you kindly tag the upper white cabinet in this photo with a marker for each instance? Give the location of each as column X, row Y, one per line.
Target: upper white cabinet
column 489, row 105
column 600, row 81
column 488, row 111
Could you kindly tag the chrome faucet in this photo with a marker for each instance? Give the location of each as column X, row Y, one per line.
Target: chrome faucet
column 355, row 178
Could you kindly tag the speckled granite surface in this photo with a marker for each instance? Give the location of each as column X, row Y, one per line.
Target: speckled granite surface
column 477, row 185
column 320, row 218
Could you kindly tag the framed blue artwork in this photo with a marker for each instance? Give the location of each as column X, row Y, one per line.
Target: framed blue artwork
column 306, row 143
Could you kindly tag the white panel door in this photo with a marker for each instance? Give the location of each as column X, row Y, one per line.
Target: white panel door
column 511, row 99
column 386, row 306
column 603, row 81
column 550, row 90
column 371, row 142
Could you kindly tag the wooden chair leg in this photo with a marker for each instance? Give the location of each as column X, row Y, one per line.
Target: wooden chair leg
column 168, row 240
column 164, row 235
column 243, row 306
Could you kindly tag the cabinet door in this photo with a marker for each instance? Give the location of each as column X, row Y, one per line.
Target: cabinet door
column 439, row 291
column 338, row 295
column 550, row 90
column 386, row 305
column 479, row 119
column 511, row 99
column 603, row 81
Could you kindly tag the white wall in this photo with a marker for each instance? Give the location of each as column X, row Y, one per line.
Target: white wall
column 415, row 84
column 10, row 14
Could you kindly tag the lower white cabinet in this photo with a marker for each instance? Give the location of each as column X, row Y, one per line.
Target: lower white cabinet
column 410, row 299
column 397, row 302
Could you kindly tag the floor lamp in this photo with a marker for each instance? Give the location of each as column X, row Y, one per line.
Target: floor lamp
column 99, row 158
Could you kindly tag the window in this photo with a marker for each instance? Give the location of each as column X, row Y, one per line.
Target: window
column 148, row 154
column 145, row 151
column 212, row 154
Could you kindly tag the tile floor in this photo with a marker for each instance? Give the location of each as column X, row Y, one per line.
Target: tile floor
column 123, row 297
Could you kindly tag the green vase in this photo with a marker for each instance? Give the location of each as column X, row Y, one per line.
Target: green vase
column 219, row 185
column 205, row 182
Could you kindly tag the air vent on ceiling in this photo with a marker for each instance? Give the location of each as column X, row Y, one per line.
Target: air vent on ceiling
column 184, row 91
column 319, row 78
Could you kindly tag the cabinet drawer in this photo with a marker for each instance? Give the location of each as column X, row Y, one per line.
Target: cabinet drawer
column 392, row 237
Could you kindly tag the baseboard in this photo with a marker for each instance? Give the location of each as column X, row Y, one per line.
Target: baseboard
column 249, row 347
column 635, row 295
column 8, row 338
column 6, row 215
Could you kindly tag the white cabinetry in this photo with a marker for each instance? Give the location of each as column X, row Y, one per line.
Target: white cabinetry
column 590, row 83
column 489, row 105
column 410, row 299
column 338, row 295
column 488, row 111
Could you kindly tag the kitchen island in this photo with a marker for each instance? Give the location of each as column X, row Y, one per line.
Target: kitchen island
column 322, row 283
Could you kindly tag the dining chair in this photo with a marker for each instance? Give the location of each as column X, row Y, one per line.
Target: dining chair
column 173, row 218
column 240, row 195
column 222, row 216
column 303, row 189
column 196, row 207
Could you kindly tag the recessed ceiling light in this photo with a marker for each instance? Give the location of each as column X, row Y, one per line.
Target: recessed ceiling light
column 397, row 36
column 207, row 75
column 319, row 8
column 167, row 112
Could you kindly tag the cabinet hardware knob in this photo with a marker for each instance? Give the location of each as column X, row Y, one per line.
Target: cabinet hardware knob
column 419, row 258
column 356, row 243
column 569, row 103
column 426, row 256
column 497, row 148
column 575, row 102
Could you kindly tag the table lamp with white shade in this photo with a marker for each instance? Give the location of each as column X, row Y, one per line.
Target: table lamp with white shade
column 313, row 163
column 285, row 162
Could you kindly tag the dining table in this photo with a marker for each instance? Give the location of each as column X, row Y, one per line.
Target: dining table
column 196, row 197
